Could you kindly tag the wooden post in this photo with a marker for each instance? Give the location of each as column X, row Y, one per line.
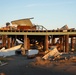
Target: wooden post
column 28, row 43
column 63, row 43
column 25, row 45
column 53, row 40
column 12, row 42
column 72, row 44
column 46, row 42
column 25, row 42
column 9, row 42
column 66, row 43
column 4, row 40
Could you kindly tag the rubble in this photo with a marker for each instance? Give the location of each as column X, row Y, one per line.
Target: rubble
column 10, row 51
column 40, row 62
column 53, row 53
column 65, row 27
column 32, row 53
column 2, row 63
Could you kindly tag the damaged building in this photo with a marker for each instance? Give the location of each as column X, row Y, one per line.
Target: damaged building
column 37, row 37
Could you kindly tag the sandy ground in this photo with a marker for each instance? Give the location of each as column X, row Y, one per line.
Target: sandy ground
column 20, row 65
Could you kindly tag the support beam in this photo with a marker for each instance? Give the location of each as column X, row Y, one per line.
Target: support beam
column 4, row 40
column 9, row 42
column 72, row 44
column 12, row 42
column 46, row 42
column 53, row 40
column 25, row 45
column 66, row 43
column 25, row 42
column 28, row 43
column 61, row 41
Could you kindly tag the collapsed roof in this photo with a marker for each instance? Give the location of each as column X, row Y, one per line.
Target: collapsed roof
column 22, row 22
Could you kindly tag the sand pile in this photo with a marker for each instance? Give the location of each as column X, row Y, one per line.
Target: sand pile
column 40, row 62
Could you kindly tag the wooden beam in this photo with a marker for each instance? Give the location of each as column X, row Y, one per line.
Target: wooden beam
column 66, row 43
column 25, row 42
column 35, row 32
column 61, row 42
column 46, row 42
column 53, row 40
column 72, row 44
column 9, row 42
column 3, row 40
column 12, row 42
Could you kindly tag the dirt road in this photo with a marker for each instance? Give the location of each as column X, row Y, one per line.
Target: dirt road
column 20, row 65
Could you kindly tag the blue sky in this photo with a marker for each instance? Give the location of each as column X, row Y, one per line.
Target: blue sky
column 51, row 14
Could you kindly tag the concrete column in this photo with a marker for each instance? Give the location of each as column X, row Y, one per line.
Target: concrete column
column 72, row 44
column 66, row 43
column 46, row 42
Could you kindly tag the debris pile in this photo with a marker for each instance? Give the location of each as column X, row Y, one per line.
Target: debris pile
column 53, row 53
column 3, row 61
column 39, row 61
column 73, row 59
column 54, row 58
column 65, row 27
